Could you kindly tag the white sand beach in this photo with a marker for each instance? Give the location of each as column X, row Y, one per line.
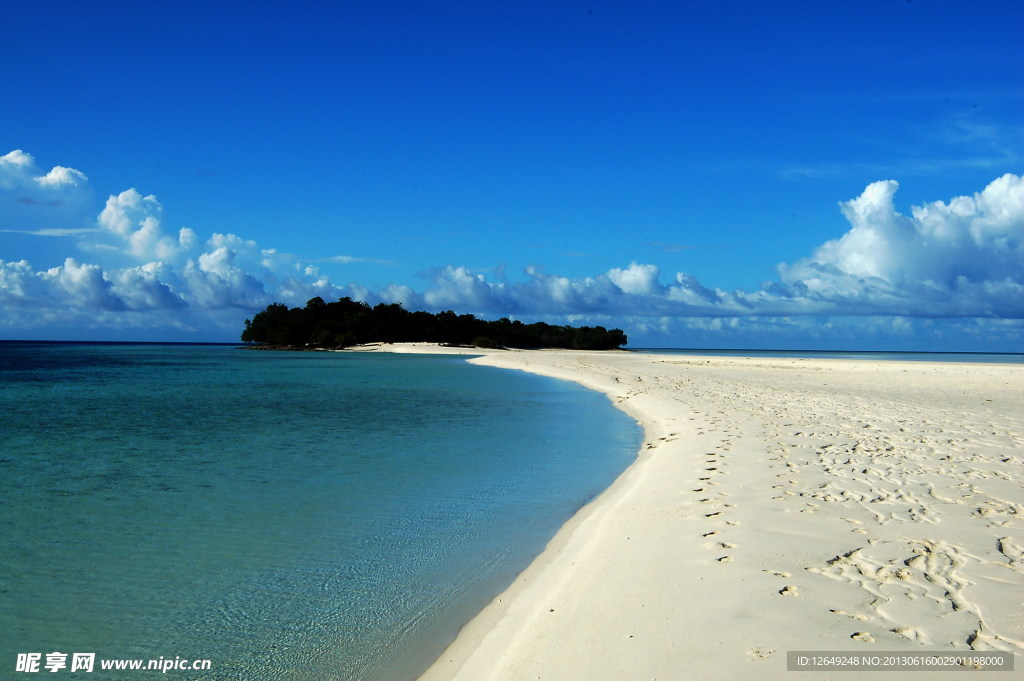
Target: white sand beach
column 777, row 505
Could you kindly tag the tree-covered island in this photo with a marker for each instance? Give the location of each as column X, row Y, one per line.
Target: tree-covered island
column 347, row 322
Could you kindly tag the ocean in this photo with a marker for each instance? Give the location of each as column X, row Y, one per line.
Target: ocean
column 286, row 516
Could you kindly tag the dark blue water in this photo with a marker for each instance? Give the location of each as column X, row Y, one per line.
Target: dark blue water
column 285, row 515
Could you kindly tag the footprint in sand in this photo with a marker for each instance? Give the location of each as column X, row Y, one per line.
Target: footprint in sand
column 863, row 637
column 725, row 559
column 777, row 573
column 911, row 633
column 712, row 533
column 854, row 615
column 727, row 545
column 789, row 591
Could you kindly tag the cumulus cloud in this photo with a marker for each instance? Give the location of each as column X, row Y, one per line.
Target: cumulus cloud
column 51, row 203
column 636, row 279
column 961, row 259
column 458, row 287
column 215, row 281
column 134, row 223
column 135, row 272
column 964, row 258
column 144, row 288
column 60, row 176
column 82, row 285
column 73, row 285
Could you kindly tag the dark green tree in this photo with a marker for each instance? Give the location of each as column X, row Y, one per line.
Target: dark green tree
column 348, row 322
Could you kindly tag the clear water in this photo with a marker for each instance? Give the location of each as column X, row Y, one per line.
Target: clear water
column 289, row 516
column 985, row 357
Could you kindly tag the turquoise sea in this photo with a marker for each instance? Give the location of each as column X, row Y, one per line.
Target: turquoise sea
column 287, row 516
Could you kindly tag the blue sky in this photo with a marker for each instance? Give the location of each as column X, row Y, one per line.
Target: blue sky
column 728, row 174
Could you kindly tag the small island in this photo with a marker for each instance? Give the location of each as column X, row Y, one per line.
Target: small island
column 347, row 322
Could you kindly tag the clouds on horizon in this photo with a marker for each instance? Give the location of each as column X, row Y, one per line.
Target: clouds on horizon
column 958, row 259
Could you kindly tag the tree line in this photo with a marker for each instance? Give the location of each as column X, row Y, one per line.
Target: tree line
column 349, row 322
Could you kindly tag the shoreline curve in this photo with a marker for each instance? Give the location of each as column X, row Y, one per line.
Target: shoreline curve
column 775, row 505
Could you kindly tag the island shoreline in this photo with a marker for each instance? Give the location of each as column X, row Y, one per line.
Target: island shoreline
column 717, row 550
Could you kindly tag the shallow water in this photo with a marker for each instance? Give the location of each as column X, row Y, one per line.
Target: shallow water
column 284, row 515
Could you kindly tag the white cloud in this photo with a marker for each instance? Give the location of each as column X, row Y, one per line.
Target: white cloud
column 52, row 203
column 128, row 210
column 234, row 243
column 457, row 287
column 82, row 285
column 136, row 273
column 134, row 222
column 637, row 279
column 690, row 292
column 51, row 231
column 144, row 288
column 962, row 258
column 349, row 259
column 214, row 281
column 15, row 167
column 393, row 293
column 959, row 259
column 17, row 283
column 59, row 176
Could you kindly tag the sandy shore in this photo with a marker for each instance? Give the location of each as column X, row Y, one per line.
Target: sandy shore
column 777, row 505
